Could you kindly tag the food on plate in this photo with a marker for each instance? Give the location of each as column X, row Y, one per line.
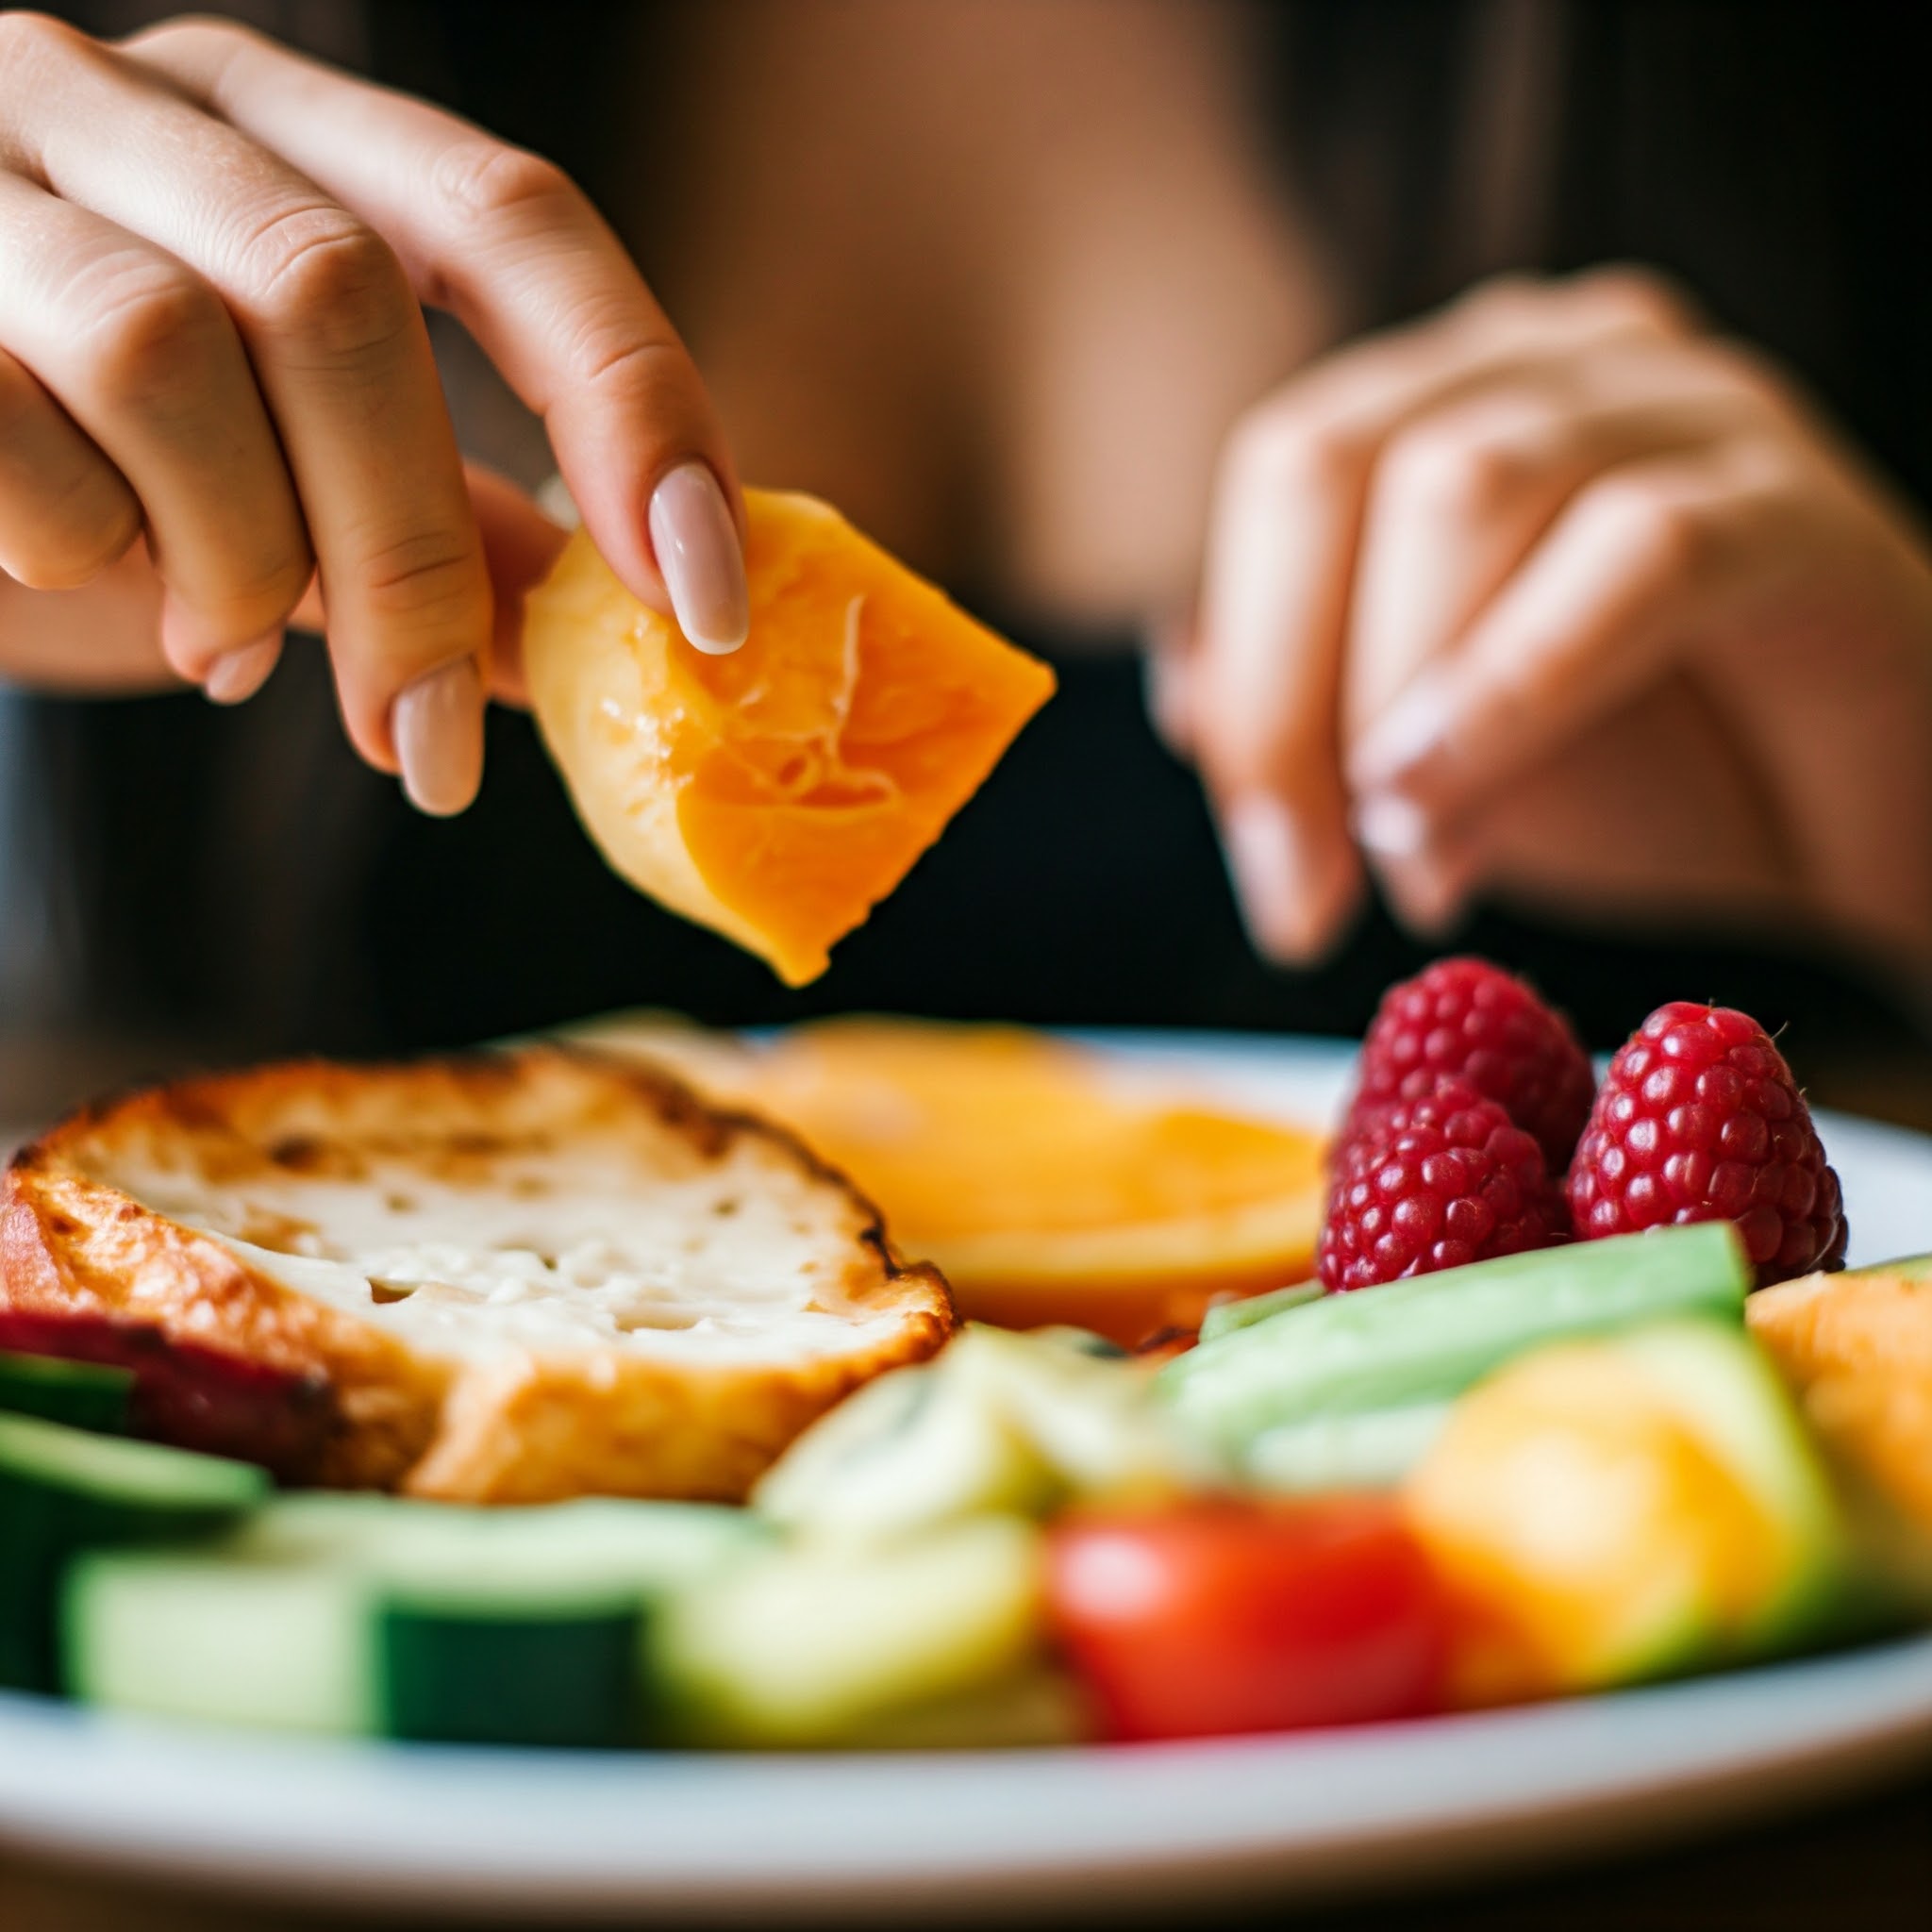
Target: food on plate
column 778, row 794
column 1228, row 1615
column 511, row 1277
column 1404, row 1346
column 1609, row 1510
column 522, row 1275
column 64, row 1490
column 1431, row 1183
column 1049, row 1187
column 1857, row 1348
column 1699, row 1119
column 1467, row 1020
column 370, row 1614
column 998, row 1422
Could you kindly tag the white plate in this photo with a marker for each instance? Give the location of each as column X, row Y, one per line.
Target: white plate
column 565, row 1836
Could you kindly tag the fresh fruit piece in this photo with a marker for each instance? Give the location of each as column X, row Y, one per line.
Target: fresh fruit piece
column 1223, row 1318
column 1610, row 1510
column 778, row 794
column 1051, row 1187
column 818, row 1645
column 1699, row 1119
column 1223, row 1617
column 1434, row 1183
column 1857, row 1350
column 1373, row 1449
column 999, row 1422
column 1429, row 1338
column 64, row 1490
column 1467, row 1020
column 358, row 1613
column 83, row 1395
column 513, row 1276
column 196, row 1397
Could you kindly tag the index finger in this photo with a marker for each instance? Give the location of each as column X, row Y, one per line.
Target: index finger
column 507, row 244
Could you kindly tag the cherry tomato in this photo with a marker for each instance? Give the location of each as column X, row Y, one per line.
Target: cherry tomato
column 1226, row 1616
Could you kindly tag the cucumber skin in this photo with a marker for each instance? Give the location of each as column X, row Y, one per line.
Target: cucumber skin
column 567, row 1681
column 1225, row 1318
column 1907, row 1267
column 60, row 1496
column 84, row 1395
column 1428, row 1338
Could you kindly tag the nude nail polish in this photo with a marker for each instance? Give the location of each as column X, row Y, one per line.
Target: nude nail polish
column 237, row 675
column 700, row 559
column 438, row 727
column 1291, row 893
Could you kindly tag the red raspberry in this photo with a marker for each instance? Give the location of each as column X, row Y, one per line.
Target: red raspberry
column 1699, row 1119
column 1472, row 1021
column 1435, row 1183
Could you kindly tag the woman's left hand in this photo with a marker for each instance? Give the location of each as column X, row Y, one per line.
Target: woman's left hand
column 1560, row 595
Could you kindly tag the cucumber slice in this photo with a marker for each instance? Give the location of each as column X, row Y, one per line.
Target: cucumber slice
column 1223, row 1318
column 367, row 1613
column 185, row 1635
column 1428, row 1339
column 823, row 1646
column 62, row 1491
column 468, row 1667
column 1373, row 1450
column 86, row 1395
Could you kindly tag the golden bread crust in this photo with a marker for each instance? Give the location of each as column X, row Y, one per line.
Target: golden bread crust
column 98, row 1218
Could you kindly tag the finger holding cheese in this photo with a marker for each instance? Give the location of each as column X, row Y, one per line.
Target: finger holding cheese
column 779, row 793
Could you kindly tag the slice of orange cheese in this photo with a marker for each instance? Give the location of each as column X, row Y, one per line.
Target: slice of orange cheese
column 778, row 794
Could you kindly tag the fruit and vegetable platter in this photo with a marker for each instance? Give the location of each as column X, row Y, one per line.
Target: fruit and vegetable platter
column 605, row 1393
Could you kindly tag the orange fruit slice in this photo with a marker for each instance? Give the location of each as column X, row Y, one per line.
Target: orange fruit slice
column 1049, row 1186
column 779, row 793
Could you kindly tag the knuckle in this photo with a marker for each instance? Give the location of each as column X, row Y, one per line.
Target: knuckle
column 1287, row 448
column 1459, row 471
column 319, row 272
column 1645, row 297
column 29, row 42
column 80, row 534
column 426, row 580
column 154, row 331
column 483, row 179
column 1663, row 534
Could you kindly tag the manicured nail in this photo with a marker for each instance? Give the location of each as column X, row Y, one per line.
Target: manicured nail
column 239, row 674
column 438, row 727
column 1292, row 892
column 700, row 559
column 1405, row 738
column 1389, row 825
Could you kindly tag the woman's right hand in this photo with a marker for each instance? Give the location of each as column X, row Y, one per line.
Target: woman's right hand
column 219, row 409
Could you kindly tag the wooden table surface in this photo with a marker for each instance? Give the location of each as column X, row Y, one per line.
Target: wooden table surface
column 1864, row 1865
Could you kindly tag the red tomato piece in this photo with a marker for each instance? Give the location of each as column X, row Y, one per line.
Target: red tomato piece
column 1218, row 1617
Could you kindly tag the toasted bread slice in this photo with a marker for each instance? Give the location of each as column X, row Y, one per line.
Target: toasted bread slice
column 519, row 1276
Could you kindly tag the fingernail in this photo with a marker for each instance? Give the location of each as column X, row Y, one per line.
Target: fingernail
column 438, row 727
column 239, row 674
column 1389, row 825
column 700, row 559
column 1430, row 895
column 1405, row 738
column 1292, row 892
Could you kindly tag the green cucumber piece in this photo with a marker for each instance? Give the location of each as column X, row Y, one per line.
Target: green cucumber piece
column 64, row 1490
column 1373, row 1450
column 357, row 1614
column 823, row 1645
column 85, row 1396
column 1223, row 1318
column 1428, row 1338
column 1906, row 1268
column 1725, row 1392
column 182, row 1635
column 470, row 1667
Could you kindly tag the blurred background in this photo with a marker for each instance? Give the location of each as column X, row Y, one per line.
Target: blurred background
column 813, row 187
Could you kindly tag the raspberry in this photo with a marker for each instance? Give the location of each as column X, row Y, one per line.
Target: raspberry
column 1699, row 1119
column 1435, row 1183
column 1472, row 1021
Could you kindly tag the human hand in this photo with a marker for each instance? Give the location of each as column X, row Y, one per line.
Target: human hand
column 221, row 413
column 1557, row 595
